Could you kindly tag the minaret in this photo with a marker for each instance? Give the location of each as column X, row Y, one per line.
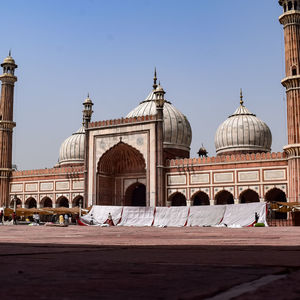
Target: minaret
column 86, row 119
column 159, row 101
column 290, row 19
column 6, row 126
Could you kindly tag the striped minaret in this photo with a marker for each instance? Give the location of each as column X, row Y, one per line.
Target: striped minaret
column 6, row 126
column 290, row 19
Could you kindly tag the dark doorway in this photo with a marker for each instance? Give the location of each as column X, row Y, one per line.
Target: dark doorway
column 249, row 196
column 276, row 195
column 201, row 198
column 63, row 202
column 47, row 202
column 178, row 199
column 224, row 197
column 136, row 195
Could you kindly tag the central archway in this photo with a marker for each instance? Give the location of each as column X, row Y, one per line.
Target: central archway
column 120, row 163
column 136, row 195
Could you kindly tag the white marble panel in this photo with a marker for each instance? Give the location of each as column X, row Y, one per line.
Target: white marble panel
column 16, row 187
column 274, row 174
column 78, row 185
column 223, row 177
column 31, row 187
column 46, row 186
column 62, row 185
column 176, row 179
column 200, row 178
column 248, row 176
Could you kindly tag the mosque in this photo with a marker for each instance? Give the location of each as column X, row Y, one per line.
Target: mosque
column 143, row 159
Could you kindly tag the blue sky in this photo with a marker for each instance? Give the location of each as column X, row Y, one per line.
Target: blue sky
column 204, row 51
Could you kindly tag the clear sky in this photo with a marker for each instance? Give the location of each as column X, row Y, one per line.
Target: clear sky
column 204, row 51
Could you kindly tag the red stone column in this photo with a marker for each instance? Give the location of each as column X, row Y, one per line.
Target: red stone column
column 160, row 183
column 6, row 127
column 290, row 20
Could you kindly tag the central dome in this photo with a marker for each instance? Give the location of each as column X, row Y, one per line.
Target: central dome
column 176, row 127
column 243, row 132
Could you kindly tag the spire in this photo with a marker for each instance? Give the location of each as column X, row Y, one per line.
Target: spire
column 9, row 52
column 154, row 79
column 241, row 97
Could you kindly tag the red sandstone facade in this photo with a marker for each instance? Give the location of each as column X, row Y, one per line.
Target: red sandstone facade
column 126, row 162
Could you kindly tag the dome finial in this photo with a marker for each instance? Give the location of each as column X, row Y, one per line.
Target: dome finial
column 154, row 79
column 9, row 52
column 241, row 97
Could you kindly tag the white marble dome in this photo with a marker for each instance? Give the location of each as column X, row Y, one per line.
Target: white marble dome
column 243, row 132
column 177, row 129
column 72, row 149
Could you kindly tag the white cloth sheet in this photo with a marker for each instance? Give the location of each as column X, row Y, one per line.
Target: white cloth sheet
column 137, row 216
column 206, row 215
column 175, row 216
column 244, row 214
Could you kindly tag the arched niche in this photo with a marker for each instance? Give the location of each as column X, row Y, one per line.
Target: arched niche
column 248, row 196
column 135, row 195
column 117, row 164
column 224, row 197
column 62, row 202
column 200, row 198
column 177, row 199
column 30, row 203
column 46, row 202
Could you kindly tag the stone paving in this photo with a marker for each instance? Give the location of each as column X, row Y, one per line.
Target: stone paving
column 38, row 262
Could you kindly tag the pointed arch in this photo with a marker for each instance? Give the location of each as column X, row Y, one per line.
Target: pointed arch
column 224, row 197
column 62, row 202
column 120, row 162
column 177, row 199
column 46, row 202
column 248, row 196
column 200, row 198
column 30, row 203
column 18, row 203
column 121, row 158
column 276, row 195
column 77, row 200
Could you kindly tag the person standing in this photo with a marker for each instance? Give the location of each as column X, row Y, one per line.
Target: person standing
column 1, row 216
column 61, row 219
column 14, row 218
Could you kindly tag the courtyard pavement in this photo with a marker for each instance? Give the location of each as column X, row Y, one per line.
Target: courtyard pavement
column 39, row 262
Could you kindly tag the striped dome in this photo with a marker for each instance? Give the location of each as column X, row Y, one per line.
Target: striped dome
column 177, row 129
column 72, row 149
column 243, row 132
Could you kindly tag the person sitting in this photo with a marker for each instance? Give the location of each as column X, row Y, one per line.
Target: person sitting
column 109, row 220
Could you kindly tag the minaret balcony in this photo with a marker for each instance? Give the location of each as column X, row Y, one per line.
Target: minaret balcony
column 291, row 17
column 291, row 82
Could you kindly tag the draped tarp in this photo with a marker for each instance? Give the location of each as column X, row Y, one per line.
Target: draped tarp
column 206, row 215
column 137, row 216
column 99, row 214
column 244, row 214
column 175, row 216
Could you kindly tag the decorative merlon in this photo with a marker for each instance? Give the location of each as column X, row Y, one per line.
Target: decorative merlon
column 122, row 121
column 234, row 158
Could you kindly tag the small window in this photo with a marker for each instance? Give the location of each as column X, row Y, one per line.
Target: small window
column 295, row 5
column 290, row 5
column 284, row 7
column 294, row 71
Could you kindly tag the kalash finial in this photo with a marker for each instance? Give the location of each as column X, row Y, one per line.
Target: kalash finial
column 154, row 79
column 9, row 52
column 241, row 97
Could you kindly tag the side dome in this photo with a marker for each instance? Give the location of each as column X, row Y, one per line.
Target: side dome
column 176, row 127
column 243, row 132
column 72, row 149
